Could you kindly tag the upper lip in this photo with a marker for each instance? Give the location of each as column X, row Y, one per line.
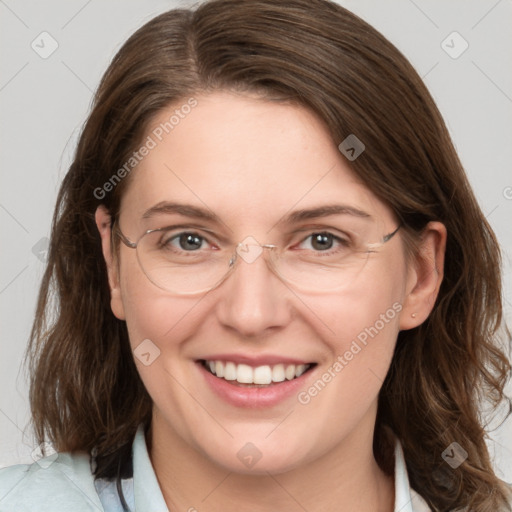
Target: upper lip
column 255, row 361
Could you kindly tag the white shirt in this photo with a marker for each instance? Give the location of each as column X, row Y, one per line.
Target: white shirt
column 66, row 483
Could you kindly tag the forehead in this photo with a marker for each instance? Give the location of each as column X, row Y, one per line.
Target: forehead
column 243, row 157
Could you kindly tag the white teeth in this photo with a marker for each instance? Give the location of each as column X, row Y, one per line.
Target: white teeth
column 230, row 371
column 278, row 373
column 244, row 374
column 289, row 373
column 219, row 369
column 300, row 369
column 262, row 375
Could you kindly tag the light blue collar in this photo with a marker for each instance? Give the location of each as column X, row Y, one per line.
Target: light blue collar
column 406, row 499
column 146, row 491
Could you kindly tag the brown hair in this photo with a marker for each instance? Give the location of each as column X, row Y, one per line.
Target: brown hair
column 85, row 391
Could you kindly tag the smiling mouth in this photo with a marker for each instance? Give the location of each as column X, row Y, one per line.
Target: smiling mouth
column 259, row 376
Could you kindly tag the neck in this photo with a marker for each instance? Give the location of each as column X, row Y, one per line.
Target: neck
column 347, row 479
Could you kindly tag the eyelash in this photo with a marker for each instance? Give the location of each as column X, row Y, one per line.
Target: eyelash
column 343, row 243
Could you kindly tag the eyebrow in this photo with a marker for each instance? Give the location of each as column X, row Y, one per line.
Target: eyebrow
column 322, row 211
column 188, row 210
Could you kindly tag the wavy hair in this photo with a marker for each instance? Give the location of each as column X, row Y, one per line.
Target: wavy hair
column 85, row 391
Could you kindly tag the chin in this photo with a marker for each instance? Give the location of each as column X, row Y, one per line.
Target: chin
column 274, row 464
column 258, row 457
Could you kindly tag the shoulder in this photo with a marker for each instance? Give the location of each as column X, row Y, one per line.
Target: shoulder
column 61, row 481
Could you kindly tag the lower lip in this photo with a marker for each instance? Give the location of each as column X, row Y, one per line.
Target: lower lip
column 241, row 396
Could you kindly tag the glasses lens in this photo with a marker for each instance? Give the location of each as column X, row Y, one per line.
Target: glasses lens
column 317, row 260
column 180, row 262
column 332, row 259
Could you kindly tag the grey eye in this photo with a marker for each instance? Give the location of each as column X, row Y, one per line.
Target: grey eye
column 322, row 241
column 190, row 242
column 186, row 241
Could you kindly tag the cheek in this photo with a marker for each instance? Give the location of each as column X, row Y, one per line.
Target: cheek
column 162, row 319
column 150, row 312
column 373, row 305
column 360, row 330
column 158, row 328
column 360, row 350
column 363, row 333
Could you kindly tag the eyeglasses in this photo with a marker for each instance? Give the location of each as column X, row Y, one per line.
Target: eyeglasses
column 184, row 261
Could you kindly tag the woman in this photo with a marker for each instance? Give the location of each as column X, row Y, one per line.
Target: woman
column 272, row 282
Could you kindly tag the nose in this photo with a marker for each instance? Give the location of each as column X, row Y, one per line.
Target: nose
column 253, row 300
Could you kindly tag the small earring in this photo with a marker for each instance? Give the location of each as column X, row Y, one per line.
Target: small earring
column 413, row 315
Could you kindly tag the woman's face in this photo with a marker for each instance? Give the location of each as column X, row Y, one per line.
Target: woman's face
column 250, row 165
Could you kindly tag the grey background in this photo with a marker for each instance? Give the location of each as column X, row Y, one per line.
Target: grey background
column 44, row 102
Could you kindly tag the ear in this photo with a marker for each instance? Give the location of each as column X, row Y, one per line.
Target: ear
column 104, row 225
column 425, row 276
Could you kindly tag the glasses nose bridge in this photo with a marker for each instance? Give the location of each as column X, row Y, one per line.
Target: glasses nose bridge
column 235, row 257
column 249, row 252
